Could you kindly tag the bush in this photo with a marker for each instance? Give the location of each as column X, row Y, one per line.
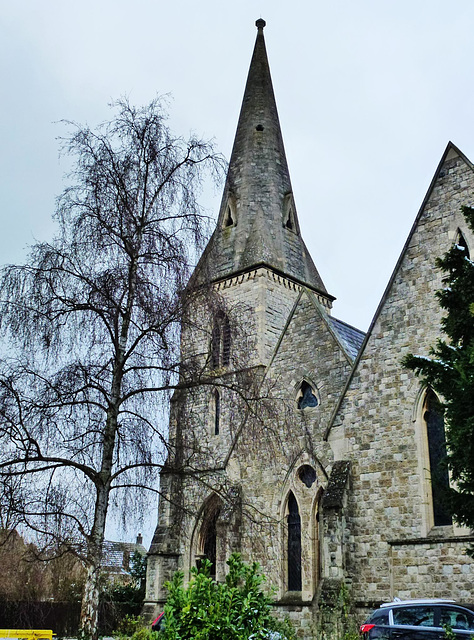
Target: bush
column 135, row 628
column 236, row 609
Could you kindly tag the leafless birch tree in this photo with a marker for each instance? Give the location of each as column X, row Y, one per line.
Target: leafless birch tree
column 91, row 332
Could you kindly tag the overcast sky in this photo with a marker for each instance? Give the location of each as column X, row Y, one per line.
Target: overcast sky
column 369, row 94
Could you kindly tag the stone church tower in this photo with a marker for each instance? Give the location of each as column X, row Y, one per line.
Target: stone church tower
column 307, row 445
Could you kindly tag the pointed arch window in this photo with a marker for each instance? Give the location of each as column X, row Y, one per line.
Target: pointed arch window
column 215, row 412
column 461, row 242
column 294, row 544
column 220, row 341
column 208, row 534
column 306, row 396
column 434, row 421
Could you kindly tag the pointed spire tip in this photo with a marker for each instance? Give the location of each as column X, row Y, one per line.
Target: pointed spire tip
column 260, row 23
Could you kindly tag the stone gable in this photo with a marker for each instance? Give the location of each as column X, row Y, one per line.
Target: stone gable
column 379, row 420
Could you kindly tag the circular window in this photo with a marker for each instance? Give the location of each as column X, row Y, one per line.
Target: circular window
column 307, row 475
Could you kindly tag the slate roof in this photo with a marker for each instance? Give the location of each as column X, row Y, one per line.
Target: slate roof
column 350, row 337
column 116, row 558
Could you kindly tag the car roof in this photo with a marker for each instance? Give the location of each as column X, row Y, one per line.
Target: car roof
column 434, row 601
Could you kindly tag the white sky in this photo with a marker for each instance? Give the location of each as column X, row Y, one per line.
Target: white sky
column 369, row 93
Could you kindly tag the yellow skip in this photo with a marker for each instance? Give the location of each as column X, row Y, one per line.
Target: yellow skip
column 27, row 634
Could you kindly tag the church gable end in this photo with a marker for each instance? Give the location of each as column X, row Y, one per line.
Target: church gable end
column 378, row 423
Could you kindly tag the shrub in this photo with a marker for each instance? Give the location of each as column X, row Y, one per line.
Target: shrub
column 237, row 609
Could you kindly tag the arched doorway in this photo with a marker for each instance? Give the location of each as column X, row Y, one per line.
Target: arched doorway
column 207, row 535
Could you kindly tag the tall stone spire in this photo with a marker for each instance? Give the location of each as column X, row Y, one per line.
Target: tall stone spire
column 257, row 222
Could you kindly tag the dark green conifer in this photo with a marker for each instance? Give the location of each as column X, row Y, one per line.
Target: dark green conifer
column 450, row 372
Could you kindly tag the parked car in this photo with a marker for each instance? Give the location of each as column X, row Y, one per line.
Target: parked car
column 158, row 623
column 419, row 620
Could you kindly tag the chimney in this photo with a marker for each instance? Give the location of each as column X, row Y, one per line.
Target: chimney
column 140, row 539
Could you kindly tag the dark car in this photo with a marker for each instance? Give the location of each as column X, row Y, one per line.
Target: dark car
column 419, row 620
column 158, row 623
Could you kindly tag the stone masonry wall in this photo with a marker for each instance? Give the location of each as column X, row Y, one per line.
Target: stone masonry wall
column 440, row 566
column 270, row 452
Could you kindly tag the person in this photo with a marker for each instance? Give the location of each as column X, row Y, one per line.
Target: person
column 461, row 621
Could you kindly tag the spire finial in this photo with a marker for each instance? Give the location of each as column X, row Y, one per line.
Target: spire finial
column 260, row 23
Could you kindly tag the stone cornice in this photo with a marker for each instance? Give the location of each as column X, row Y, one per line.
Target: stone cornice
column 274, row 276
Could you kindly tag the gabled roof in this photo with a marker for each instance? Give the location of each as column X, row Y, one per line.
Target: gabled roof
column 258, row 223
column 116, row 555
column 451, row 151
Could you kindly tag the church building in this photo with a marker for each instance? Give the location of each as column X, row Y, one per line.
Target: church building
column 307, row 446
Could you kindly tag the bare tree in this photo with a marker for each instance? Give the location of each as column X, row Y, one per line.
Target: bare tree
column 92, row 326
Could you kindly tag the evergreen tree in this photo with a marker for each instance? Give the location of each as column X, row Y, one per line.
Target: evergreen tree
column 128, row 598
column 450, row 372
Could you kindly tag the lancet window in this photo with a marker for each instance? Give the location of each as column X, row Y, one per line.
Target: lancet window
column 294, row 544
column 208, row 534
column 461, row 242
column 215, row 412
column 433, row 418
column 220, row 341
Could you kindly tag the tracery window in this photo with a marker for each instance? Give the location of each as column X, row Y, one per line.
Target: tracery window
column 306, row 396
column 220, row 341
column 307, row 475
column 294, row 544
column 433, row 418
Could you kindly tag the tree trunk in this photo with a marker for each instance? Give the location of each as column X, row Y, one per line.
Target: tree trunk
column 90, row 602
column 89, row 620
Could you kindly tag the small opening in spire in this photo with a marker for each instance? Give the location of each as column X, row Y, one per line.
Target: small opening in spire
column 228, row 221
column 289, row 214
column 259, row 127
column 289, row 219
column 230, row 213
